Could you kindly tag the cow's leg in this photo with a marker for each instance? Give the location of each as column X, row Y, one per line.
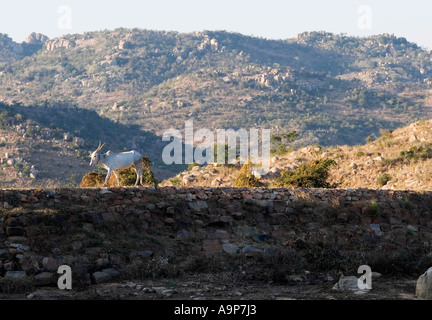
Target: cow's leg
column 117, row 177
column 107, row 177
column 139, row 172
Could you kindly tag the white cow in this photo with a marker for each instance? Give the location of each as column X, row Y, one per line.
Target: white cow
column 115, row 161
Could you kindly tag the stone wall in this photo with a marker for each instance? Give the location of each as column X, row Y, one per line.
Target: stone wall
column 103, row 234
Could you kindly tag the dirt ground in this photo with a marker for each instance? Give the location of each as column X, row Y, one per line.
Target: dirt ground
column 220, row 287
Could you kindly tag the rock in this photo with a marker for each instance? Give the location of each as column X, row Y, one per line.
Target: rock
column 80, row 142
column 17, row 239
column 353, row 165
column 67, row 137
column 16, row 274
column 188, row 179
column 100, row 277
column 36, row 38
column 50, row 264
column 247, row 249
column 169, row 221
column 183, row 234
column 424, row 285
column 378, row 159
column 51, row 45
column 76, row 245
column 256, row 174
column 44, row 279
column 349, row 283
column 377, row 229
column 146, row 253
column 14, row 231
column 230, row 248
column 20, row 247
column 413, row 138
column 216, row 182
column 3, row 253
column 412, row 228
column 104, row 191
column 164, row 291
column 198, row 205
column 112, row 272
column 271, row 252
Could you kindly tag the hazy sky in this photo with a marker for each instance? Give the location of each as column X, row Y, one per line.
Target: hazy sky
column 273, row 19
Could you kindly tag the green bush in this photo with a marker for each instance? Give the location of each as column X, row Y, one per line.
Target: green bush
column 373, row 210
column 383, row 178
column 246, row 178
column 310, row 175
column 175, row 181
column 127, row 177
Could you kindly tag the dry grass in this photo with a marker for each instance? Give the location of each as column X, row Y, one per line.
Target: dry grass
column 357, row 166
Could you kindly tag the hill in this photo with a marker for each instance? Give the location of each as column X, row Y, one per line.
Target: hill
column 332, row 89
column 397, row 160
column 42, row 146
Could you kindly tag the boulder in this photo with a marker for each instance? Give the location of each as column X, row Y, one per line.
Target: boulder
column 230, row 248
column 50, row 264
column 216, row 182
column 424, row 285
column 349, row 283
column 100, row 277
column 16, row 274
column 44, row 279
column 36, row 38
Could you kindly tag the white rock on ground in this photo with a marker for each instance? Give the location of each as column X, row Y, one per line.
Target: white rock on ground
column 424, row 285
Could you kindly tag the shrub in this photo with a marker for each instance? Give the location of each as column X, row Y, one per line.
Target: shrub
column 310, row 175
column 373, row 210
column 175, row 181
column 127, row 177
column 383, row 178
column 12, row 285
column 246, row 178
column 191, row 165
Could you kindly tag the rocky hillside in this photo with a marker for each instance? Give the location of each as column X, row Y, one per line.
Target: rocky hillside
column 332, row 89
column 397, row 160
column 49, row 147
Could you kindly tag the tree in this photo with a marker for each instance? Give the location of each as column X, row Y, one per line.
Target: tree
column 279, row 142
column 310, row 175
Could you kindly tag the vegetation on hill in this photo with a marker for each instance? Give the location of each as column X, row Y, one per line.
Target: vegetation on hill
column 127, row 86
column 313, row 174
column 399, row 160
column 331, row 89
column 127, row 177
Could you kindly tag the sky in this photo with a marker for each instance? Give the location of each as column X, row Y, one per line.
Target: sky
column 272, row 19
